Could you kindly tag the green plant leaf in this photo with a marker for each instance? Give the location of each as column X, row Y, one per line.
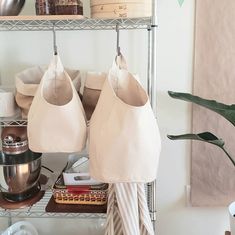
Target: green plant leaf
column 181, row 2
column 227, row 111
column 205, row 137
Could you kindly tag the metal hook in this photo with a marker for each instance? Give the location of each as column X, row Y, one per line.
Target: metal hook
column 54, row 40
column 118, row 40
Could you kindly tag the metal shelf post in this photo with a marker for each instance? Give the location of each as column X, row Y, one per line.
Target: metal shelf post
column 152, row 88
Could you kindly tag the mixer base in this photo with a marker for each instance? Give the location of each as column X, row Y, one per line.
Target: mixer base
column 22, row 196
column 33, row 197
column 7, row 205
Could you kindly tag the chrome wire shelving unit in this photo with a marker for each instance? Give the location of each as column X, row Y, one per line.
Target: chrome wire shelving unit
column 48, row 23
column 38, row 211
column 45, row 23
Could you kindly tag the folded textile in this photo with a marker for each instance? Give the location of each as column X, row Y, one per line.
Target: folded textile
column 128, row 212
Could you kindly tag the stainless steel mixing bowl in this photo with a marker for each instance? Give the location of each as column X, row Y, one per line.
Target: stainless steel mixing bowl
column 19, row 174
column 11, row 7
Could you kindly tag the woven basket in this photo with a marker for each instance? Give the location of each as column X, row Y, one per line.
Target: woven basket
column 120, row 8
column 96, row 197
column 82, row 195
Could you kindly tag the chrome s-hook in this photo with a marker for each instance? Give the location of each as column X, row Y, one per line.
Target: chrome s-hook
column 118, row 40
column 54, row 40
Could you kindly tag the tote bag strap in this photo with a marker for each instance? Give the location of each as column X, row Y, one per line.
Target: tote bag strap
column 55, row 66
column 56, row 72
column 119, row 64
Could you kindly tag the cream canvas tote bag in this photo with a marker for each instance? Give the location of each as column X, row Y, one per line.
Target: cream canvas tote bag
column 27, row 82
column 124, row 141
column 56, row 119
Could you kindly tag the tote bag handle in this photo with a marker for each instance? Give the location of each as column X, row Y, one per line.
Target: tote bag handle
column 120, row 62
column 55, row 67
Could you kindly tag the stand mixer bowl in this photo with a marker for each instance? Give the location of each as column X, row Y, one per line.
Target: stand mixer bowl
column 19, row 175
column 11, row 7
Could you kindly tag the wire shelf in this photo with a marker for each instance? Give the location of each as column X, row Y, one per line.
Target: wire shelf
column 13, row 121
column 39, row 23
column 5, row 123
column 38, row 211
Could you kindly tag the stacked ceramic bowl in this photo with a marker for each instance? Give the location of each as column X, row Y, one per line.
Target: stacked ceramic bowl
column 121, row 8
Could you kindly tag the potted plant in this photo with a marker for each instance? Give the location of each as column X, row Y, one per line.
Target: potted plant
column 228, row 112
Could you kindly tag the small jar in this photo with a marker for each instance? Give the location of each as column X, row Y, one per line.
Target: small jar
column 68, row 7
column 45, row 7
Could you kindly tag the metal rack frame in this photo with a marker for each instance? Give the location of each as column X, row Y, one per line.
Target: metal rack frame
column 38, row 23
column 46, row 23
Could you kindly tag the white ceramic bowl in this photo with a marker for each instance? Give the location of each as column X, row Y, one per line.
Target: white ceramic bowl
column 231, row 209
column 21, row 228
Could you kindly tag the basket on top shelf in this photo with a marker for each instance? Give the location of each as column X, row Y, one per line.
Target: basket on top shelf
column 121, row 8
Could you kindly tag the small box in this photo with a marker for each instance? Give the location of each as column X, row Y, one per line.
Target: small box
column 82, row 195
column 79, row 179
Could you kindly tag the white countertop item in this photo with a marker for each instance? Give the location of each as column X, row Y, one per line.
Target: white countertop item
column 7, row 103
column 21, row 228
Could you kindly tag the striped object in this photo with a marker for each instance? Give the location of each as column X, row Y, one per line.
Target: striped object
column 127, row 212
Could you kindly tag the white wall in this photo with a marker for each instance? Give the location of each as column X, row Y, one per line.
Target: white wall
column 175, row 55
column 95, row 50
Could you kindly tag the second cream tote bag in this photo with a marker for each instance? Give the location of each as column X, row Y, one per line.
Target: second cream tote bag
column 91, row 93
column 56, row 119
column 124, row 142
